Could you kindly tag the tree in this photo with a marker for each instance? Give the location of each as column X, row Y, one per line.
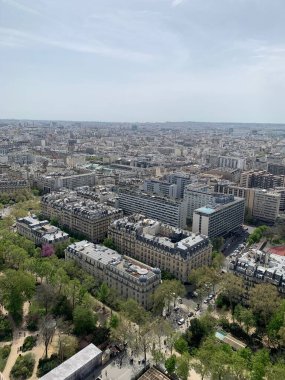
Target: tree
column 204, row 278
column 67, row 346
column 247, row 318
column 260, row 362
column 181, row 345
column 166, row 292
column 47, row 250
column 103, row 292
column 219, row 357
column 217, row 243
column 109, row 243
column 275, row 371
column 257, row 235
column 75, row 292
column 170, row 364
column 157, row 356
column 183, row 366
column 16, row 287
column 134, row 312
column 264, row 300
column 47, row 330
column 84, row 320
column 232, row 288
column 45, row 296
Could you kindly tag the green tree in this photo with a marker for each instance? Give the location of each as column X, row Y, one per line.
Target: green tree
column 103, row 292
column 16, row 287
column 109, row 243
column 264, row 300
column 84, row 320
column 183, row 366
column 260, row 362
column 232, row 288
column 170, row 364
column 165, row 293
column 181, row 345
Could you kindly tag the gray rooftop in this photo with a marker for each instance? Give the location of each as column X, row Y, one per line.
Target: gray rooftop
column 73, row 364
column 111, row 258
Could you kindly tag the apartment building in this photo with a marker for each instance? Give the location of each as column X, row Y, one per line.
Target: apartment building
column 181, row 181
column 83, row 216
column 261, row 179
column 160, row 245
column 256, row 267
column 215, row 161
column 163, row 188
column 276, row 169
column 261, row 204
column 228, row 188
column 130, row 278
column 9, row 185
column 167, row 210
column 220, row 219
column 266, row 205
column 40, row 231
column 232, row 162
column 57, row 181
column 195, row 196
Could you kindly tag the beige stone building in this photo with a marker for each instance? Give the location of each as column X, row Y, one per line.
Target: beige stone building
column 160, row 245
column 82, row 216
column 130, row 278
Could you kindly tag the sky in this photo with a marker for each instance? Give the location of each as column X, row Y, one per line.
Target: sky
column 143, row 60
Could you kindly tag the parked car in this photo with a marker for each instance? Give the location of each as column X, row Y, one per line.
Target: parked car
column 176, row 308
column 190, row 314
column 181, row 321
column 197, row 307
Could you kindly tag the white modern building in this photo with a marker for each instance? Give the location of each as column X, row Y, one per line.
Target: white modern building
column 220, row 219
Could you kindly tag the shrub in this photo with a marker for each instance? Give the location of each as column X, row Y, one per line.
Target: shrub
column 33, row 322
column 6, row 332
column 29, row 343
column 4, row 353
column 47, row 364
column 23, row 368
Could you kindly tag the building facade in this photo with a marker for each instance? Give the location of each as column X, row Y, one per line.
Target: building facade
column 55, row 182
column 168, row 211
column 82, row 216
column 221, row 219
column 266, row 205
column 130, row 278
column 171, row 249
column 10, row 185
column 261, row 180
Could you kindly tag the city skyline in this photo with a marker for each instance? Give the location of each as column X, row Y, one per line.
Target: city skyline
column 145, row 61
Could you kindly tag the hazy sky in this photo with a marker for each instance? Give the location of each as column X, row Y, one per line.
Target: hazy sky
column 143, row 60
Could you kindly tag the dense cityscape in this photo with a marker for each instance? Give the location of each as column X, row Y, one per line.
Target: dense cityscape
column 142, row 250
